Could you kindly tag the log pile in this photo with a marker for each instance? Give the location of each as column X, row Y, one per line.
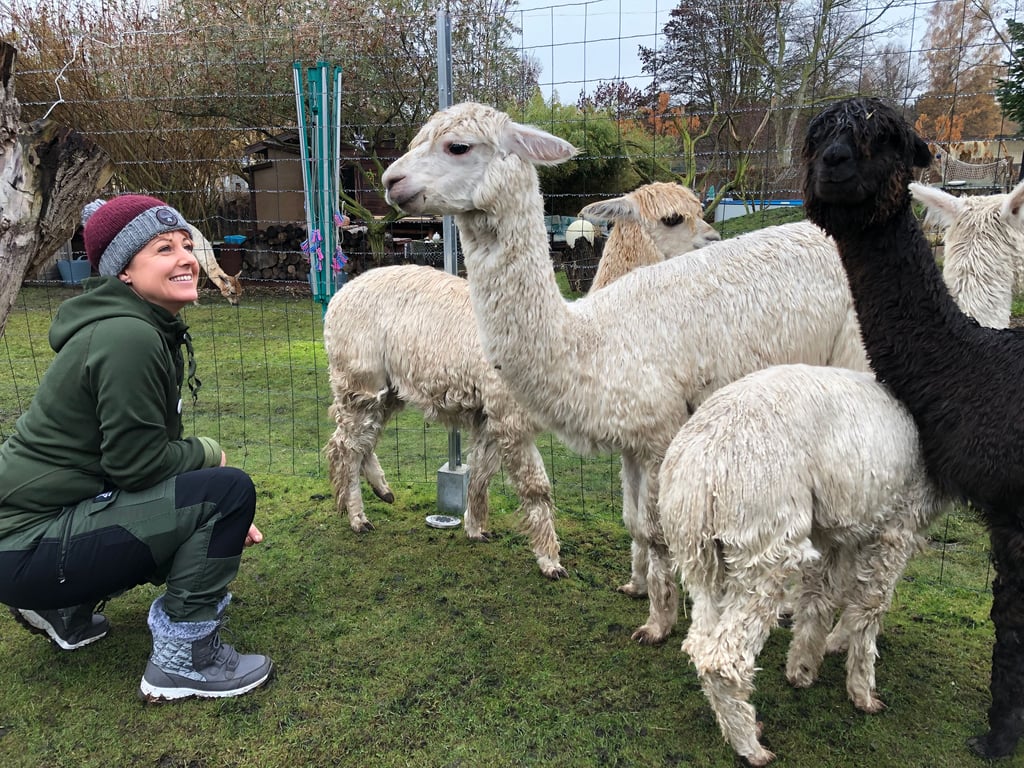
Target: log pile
column 276, row 253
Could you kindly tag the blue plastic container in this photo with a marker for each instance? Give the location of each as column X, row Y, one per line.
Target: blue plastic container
column 74, row 271
column 234, row 239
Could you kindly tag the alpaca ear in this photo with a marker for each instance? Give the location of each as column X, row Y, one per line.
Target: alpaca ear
column 922, row 155
column 1014, row 204
column 610, row 210
column 537, row 146
column 943, row 207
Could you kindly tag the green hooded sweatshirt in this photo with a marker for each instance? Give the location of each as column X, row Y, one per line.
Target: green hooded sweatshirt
column 107, row 413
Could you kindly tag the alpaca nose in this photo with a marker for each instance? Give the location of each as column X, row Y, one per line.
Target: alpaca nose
column 390, row 179
column 837, row 154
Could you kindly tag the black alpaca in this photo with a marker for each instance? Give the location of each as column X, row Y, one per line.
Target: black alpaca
column 963, row 383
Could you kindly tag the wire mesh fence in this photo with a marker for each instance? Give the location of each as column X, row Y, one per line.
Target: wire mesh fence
column 196, row 105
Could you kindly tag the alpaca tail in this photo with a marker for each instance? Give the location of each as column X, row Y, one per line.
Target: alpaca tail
column 688, row 514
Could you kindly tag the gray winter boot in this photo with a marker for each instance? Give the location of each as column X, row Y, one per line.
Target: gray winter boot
column 70, row 628
column 189, row 659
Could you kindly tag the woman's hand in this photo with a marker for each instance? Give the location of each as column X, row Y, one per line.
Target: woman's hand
column 254, row 536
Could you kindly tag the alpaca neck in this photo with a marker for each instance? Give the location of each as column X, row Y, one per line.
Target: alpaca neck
column 520, row 312
column 911, row 327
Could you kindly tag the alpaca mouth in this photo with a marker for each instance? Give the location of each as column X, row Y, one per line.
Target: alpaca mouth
column 833, row 186
column 406, row 201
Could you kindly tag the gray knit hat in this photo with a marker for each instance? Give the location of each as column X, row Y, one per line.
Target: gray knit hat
column 118, row 229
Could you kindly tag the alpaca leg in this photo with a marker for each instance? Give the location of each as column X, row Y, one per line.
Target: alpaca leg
column 1006, row 714
column 662, row 589
column 631, row 517
column 878, row 567
column 359, row 419
column 820, row 593
column 725, row 657
column 343, row 467
column 485, row 463
column 525, row 468
column 374, row 474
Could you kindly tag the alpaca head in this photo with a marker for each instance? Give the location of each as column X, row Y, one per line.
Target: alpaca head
column 859, row 156
column 670, row 215
column 229, row 286
column 994, row 223
column 470, row 157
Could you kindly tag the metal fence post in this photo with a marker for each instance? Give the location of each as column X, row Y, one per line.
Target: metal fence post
column 453, row 476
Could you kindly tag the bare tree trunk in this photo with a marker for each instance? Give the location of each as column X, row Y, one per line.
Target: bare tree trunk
column 47, row 173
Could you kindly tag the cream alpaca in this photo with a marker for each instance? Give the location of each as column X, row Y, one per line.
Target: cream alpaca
column 652, row 223
column 984, row 249
column 229, row 286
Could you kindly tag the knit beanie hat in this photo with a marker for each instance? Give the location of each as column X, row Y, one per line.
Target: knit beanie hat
column 118, row 229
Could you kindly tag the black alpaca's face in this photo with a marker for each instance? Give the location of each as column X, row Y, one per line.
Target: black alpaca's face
column 861, row 151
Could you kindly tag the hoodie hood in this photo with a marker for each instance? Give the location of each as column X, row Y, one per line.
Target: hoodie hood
column 107, row 297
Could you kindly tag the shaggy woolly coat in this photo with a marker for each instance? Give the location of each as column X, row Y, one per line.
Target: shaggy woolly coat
column 791, row 470
column 622, row 368
column 228, row 285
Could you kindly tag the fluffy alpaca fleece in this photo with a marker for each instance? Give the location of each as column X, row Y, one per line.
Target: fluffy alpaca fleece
column 984, row 248
column 406, row 335
column 961, row 382
column 228, row 285
column 792, row 470
column 622, row 368
column 652, row 223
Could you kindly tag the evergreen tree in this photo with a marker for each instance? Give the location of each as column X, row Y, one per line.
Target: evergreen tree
column 1010, row 91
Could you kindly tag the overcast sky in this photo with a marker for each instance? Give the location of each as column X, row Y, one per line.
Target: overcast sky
column 579, row 43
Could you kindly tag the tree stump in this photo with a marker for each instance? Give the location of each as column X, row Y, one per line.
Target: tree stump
column 47, row 174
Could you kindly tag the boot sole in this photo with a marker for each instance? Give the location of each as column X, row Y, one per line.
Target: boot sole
column 44, row 628
column 152, row 694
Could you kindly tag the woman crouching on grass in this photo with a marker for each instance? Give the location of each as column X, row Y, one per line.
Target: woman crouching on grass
column 98, row 490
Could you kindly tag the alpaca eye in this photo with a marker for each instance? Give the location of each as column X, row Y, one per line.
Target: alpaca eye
column 672, row 221
column 458, row 149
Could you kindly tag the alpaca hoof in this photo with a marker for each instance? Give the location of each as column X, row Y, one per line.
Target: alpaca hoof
column 991, row 747
column 362, row 526
column 872, row 706
column 483, row 536
column 554, row 572
column 761, row 757
column 632, row 590
column 385, row 496
column 647, row 635
column 801, row 678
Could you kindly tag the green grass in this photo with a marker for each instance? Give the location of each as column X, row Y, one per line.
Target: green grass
column 410, row 646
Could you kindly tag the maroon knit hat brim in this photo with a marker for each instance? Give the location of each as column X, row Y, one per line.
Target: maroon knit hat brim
column 107, row 221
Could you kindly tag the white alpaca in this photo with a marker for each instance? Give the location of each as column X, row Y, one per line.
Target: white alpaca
column 229, row 286
column 652, row 223
column 995, row 256
column 406, row 335
column 622, row 368
column 791, row 470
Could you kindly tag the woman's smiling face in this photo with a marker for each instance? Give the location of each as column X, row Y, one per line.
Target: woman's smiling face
column 164, row 272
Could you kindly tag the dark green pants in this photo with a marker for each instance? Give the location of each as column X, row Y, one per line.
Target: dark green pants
column 187, row 532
